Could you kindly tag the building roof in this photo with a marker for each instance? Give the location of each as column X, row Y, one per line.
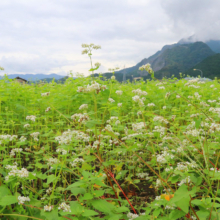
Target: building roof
column 20, row 78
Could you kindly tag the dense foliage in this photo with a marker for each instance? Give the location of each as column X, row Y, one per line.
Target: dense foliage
column 93, row 149
column 209, row 66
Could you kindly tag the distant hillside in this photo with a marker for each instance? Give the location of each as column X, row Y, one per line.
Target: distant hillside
column 171, row 60
column 213, row 44
column 183, row 57
column 34, row 77
column 210, row 67
column 62, row 80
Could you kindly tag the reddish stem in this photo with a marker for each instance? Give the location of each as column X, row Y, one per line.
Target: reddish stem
column 112, row 176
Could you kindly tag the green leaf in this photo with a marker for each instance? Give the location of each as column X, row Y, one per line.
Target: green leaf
column 142, row 217
column 4, row 191
column 78, row 183
column 197, row 123
column 176, row 214
column 76, row 208
column 76, row 191
column 51, row 178
column 184, row 204
column 53, row 215
column 8, row 200
column 102, row 205
column 122, row 209
column 114, row 217
column 41, row 176
column 203, row 214
column 157, row 212
column 87, row 196
column 98, row 193
column 88, row 213
column 39, row 165
column 197, row 202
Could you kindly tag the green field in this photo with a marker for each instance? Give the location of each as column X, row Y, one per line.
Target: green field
column 93, row 149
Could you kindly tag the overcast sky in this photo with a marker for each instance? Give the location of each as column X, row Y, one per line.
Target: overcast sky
column 45, row 36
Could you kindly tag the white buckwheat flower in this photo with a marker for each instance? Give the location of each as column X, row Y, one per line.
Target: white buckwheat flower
column 45, row 94
column 22, row 199
column 47, row 109
column 31, row 117
column 26, row 126
column 111, row 100
column 48, row 208
column 64, row 207
column 119, row 92
column 83, row 106
column 150, row 104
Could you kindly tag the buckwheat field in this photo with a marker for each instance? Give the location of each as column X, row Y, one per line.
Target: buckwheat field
column 99, row 149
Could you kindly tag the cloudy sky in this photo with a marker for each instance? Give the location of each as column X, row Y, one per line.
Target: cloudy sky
column 45, row 36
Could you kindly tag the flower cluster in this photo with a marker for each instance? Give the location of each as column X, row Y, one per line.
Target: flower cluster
column 61, row 151
column 94, row 87
column 164, row 156
column 119, row 92
column 67, row 136
column 143, row 175
column 113, row 120
column 132, row 216
column 139, row 92
column 160, row 129
column 15, row 150
column 8, row 137
column 150, row 104
column 47, row 109
column 45, row 94
column 187, row 180
column 138, row 126
column 48, row 208
column 31, row 117
column 111, row 100
column 83, row 106
column 14, row 171
column 23, row 199
column 146, row 67
column 26, row 126
column 192, row 81
column 139, row 100
column 77, row 160
column 160, row 119
column 35, row 136
column 81, row 118
column 64, row 207
column 52, row 161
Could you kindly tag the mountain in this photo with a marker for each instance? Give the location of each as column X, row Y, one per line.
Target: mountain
column 213, row 44
column 209, row 66
column 34, row 77
column 183, row 57
column 171, row 60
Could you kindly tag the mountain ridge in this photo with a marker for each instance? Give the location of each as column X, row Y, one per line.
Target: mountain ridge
column 170, row 60
column 34, row 77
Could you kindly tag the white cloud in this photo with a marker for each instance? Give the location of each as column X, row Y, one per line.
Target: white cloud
column 45, row 36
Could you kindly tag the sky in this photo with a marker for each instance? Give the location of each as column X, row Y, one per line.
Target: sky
column 45, row 36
